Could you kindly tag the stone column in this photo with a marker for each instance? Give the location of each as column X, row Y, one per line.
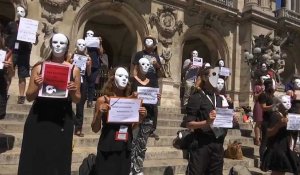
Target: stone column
column 288, row 4
column 265, row 4
column 251, row 2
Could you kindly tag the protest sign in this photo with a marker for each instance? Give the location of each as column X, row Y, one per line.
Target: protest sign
column 27, row 30
column 148, row 94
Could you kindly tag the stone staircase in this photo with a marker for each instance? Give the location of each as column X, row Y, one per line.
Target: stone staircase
column 161, row 157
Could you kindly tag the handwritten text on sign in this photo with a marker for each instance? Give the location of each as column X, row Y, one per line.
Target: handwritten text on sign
column 80, row 62
column 2, row 58
column 197, row 61
column 293, row 122
column 27, row 30
column 92, row 42
column 224, row 118
column 124, row 110
column 148, row 94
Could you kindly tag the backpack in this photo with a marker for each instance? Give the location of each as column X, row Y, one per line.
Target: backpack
column 6, row 142
column 88, row 165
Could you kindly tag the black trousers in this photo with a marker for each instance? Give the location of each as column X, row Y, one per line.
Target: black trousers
column 80, row 106
column 206, row 160
column 264, row 139
column 91, row 84
column 3, row 94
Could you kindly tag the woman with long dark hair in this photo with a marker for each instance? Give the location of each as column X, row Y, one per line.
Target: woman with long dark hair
column 48, row 131
column 113, row 153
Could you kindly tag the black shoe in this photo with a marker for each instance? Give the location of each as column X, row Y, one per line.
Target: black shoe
column 155, row 136
column 21, row 100
column 89, row 104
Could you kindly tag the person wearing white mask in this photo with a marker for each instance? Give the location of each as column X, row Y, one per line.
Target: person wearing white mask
column 154, row 72
column 95, row 53
column 279, row 156
column 21, row 52
column 146, row 128
column 82, row 60
column 190, row 72
column 48, row 131
column 113, row 154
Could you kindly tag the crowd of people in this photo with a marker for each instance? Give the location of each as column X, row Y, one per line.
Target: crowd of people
column 118, row 152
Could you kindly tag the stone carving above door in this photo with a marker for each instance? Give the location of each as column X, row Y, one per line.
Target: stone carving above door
column 166, row 23
column 53, row 10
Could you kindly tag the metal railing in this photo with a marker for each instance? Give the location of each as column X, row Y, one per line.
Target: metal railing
column 228, row 3
column 285, row 13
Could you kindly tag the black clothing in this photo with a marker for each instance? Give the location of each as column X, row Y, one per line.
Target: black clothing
column 264, row 98
column 208, row 157
column 3, row 89
column 113, row 156
column 91, row 80
column 80, row 106
column 94, row 54
column 47, row 139
column 278, row 156
column 152, row 73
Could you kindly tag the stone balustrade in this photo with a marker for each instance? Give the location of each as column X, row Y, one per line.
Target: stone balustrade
column 229, row 3
column 285, row 13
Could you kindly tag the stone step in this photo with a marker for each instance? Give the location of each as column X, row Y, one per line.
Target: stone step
column 18, row 127
column 241, row 139
column 92, row 140
column 21, row 117
column 89, row 112
column 153, row 153
column 151, row 167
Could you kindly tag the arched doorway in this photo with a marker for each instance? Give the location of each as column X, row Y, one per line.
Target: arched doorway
column 7, row 12
column 118, row 43
column 121, row 27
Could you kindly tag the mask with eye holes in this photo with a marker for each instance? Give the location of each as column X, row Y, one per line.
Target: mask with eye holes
column 144, row 65
column 121, row 78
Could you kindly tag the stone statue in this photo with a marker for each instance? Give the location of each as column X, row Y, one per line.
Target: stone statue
column 165, row 61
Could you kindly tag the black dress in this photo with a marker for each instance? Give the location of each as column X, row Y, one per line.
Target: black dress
column 278, row 156
column 47, row 138
column 113, row 157
column 3, row 91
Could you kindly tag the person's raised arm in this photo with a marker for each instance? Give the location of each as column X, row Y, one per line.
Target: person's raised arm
column 35, row 83
column 74, row 86
column 101, row 109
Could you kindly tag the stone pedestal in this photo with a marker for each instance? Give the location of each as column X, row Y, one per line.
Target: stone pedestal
column 265, row 4
column 170, row 92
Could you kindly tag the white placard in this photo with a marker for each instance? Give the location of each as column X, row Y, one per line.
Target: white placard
column 148, row 94
column 293, row 122
column 224, row 71
column 197, row 61
column 27, row 30
column 80, row 62
column 2, row 58
column 224, row 118
column 92, row 42
column 124, row 110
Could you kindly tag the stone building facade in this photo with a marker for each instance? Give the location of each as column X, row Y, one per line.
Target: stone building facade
column 216, row 28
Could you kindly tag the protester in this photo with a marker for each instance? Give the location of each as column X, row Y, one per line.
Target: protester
column 190, row 71
column 95, row 53
column 279, row 157
column 207, row 156
column 21, row 52
column 150, row 52
column 85, row 71
column 146, row 128
column 6, row 72
column 113, row 153
column 257, row 111
column 48, row 131
column 265, row 100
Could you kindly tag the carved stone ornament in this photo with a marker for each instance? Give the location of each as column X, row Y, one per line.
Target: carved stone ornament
column 191, row 8
column 166, row 23
column 166, row 57
column 53, row 10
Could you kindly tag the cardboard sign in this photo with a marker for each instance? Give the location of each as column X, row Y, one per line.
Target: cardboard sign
column 27, row 30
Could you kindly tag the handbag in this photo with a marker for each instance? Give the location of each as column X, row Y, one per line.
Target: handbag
column 88, row 165
column 6, row 142
column 185, row 139
column 234, row 151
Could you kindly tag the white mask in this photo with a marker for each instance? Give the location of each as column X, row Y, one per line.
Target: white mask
column 220, row 84
column 264, row 67
column 297, row 83
column 144, row 65
column 89, row 33
column 264, row 77
column 286, row 101
column 121, row 78
column 81, row 45
column 195, row 53
column 59, row 45
column 149, row 42
column 206, row 65
column 221, row 63
column 20, row 12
